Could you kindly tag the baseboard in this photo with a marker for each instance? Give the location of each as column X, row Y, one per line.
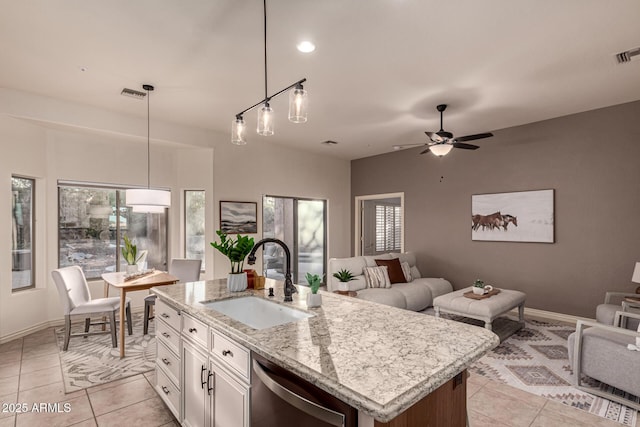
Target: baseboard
column 550, row 315
column 45, row 325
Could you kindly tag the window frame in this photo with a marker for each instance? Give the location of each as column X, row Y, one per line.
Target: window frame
column 32, row 223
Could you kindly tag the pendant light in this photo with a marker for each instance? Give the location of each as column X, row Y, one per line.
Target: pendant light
column 297, row 103
column 147, row 199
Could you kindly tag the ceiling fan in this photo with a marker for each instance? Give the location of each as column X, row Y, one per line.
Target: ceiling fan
column 442, row 141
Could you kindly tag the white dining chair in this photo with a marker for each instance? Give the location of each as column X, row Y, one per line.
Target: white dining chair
column 186, row 270
column 76, row 301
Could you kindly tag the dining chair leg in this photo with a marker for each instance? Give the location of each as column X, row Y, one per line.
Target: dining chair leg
column 112, row 321
column 87, row 325
column 129, row 324
column 67, row 332
column 145, row 326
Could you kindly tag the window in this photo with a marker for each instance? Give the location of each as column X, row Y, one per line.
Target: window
column 92, row 221
column 301, row 224
column 22, row 221
column 388, row 227
column 194, row 225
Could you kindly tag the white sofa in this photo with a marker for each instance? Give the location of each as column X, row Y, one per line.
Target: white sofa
column 416, row 295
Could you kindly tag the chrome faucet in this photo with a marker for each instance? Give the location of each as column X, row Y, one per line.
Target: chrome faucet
column 289, row 289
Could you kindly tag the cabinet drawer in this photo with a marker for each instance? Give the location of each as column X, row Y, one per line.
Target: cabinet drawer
column 168, row 314
column 168, row 392
column 167, row 360
column 168, row 336
column 195, row 329
column 231, row 355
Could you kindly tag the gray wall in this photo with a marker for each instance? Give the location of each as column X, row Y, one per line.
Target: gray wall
column 591, row 159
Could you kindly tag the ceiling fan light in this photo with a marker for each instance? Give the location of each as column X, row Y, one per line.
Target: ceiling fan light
column 298, row 102
column 238, row 131
column 265, row 120
column 441, row 149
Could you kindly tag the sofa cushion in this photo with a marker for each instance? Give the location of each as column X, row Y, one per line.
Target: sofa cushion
column 436, row 286
column 406, row 257
column 415, row 273
column 394, row 269
column 355, row 265
column 377, row 277
column 370, row 260
column 406, row 270
column 390, row 296
column 417, row 297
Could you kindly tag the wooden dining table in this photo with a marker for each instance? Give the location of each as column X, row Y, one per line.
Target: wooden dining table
column 148, row 281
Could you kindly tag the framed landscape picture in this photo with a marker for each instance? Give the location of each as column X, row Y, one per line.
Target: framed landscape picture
column 523, row 216
column 238, row 217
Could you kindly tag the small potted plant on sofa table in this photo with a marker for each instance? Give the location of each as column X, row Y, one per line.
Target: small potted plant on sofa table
column 314, row 299
column 236, row 250
column 480, row 288
column 344, row 276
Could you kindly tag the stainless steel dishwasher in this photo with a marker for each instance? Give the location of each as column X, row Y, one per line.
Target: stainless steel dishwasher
column 280, row 398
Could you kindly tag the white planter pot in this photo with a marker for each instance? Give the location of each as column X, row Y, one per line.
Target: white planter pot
column 314, row 300
column 131, row 268
column 237, row 282
column 478, row 291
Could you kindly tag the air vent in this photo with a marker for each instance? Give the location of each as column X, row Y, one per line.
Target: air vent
column 133, row 93
column 626, row 56
column 329, row 142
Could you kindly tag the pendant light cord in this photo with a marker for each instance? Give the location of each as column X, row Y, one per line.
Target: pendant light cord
column 148, row 142
column 266, row 96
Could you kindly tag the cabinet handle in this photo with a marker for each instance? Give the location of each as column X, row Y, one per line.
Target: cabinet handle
column 209, row 384
column 165, row 315
column 202, row 380
column 193, row 330
column 165, row 389
column 166, row 335
column 165, row 361
column 225, row 352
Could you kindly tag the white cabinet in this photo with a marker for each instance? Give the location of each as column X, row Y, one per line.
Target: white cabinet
column 195, row 392
column 215, row 387
column 167, row 356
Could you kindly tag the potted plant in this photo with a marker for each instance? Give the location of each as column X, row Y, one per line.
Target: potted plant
column 130, row 255
column 314, row 299
column 344, row 276
column 236, row 250
column 480, row 288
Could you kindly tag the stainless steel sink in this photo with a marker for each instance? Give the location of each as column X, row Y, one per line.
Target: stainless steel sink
column 257, row 313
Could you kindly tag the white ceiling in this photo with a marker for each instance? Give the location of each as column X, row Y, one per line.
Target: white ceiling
column 379, row 70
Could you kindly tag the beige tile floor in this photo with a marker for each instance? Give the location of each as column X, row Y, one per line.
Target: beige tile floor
column 30, row 373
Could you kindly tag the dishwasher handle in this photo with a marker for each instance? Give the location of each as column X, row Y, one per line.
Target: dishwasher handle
column 313, row 409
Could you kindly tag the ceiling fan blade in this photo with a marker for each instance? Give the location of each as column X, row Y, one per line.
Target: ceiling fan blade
column 433, row 136
column 401, row 146
column 424, row 151
column 473, row 137
column 465, row 146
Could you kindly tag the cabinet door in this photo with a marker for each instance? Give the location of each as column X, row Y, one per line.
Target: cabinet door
column 194, row 392
column 230, row 400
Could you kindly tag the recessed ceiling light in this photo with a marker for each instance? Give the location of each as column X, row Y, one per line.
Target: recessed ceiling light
column 306, row 46
column 83, row 68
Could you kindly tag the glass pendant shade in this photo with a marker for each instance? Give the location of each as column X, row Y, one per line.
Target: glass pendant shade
column 148, row 209
column 144, row 197
column 265, row 120
column 441, row 149
column 238, row 132
column 298, row 105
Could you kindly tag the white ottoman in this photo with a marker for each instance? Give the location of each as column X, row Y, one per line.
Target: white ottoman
column 486, row 309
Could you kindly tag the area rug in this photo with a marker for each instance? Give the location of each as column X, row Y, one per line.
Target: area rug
column 91, row 361
column 535, row 360
column 503, row 326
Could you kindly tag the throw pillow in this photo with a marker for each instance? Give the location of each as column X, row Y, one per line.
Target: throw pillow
column 415, row 273
column 406, row 270
column 377, row 277
column 395, row 269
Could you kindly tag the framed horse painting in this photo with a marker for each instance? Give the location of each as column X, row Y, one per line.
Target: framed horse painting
column 522, row 216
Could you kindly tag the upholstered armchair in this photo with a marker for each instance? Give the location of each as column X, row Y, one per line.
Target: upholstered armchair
column 602, row 353
column 615, row 301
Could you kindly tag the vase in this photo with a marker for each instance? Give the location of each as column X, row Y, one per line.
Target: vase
column 237, row 282
column 131, row 268
column 314, row 300
column 478, row 291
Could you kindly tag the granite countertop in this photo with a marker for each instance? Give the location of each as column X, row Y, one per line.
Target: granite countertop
column 379, row 359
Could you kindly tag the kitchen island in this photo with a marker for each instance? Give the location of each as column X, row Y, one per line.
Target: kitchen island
column 380, row 360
